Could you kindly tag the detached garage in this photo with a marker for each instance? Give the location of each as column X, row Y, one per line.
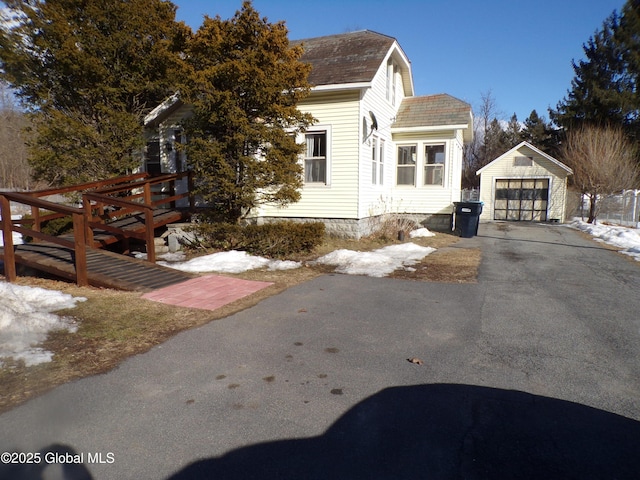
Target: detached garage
column 524, row 184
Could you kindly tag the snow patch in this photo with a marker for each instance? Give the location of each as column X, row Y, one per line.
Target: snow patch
column 421, row 233
column 17, row 237
column 26, row 319
column 378, row 263
column 233, row 261
column 628, row 239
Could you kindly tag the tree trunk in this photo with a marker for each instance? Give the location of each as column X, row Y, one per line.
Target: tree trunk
column 592, row 208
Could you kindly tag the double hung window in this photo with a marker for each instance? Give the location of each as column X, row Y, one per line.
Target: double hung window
column 377, row 161
column 406, row 172
column 315, row 158
column 433, row 164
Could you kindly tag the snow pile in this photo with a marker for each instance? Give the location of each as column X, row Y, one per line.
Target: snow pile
column 169, row 256
column 377, row 263
column 26, row 318
column 421, row 233
column 628, row 239
column 232, row 261
column 17, row 237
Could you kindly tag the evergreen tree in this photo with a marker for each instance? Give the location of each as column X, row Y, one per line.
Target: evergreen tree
column 603, row 91
column 540, row 133
column 496, row 141
column 244, row 82
column 88, row 71
column 513, row 132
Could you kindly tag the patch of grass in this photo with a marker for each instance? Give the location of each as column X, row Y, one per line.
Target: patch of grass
column 114, row 325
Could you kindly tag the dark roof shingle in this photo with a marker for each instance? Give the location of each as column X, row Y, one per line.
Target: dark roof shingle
column 432, row 110
column 352, row 57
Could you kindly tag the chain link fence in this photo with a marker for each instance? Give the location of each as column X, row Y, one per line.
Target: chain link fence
column 622, row 209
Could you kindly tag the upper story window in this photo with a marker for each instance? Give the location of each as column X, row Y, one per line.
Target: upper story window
column 433, row 164
column 315, row 158
column 377, row 161
column 392, row 75
column 406, row 171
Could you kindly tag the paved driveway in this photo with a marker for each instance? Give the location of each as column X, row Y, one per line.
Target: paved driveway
column 533, row 372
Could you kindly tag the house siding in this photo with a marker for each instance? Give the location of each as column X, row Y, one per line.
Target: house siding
column 429, row 199
column 542, row 168
column 376, row 199
column 339, row 113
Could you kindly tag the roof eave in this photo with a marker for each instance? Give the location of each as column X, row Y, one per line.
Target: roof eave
column 341, row 86
column 431, row 128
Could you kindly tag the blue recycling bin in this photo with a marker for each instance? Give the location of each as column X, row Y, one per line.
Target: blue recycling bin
column 467, row 218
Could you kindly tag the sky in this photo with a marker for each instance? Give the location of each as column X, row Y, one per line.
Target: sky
column 519, row 51
column 27, row 313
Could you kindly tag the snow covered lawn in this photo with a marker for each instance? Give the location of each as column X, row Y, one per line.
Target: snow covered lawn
column 628, row 239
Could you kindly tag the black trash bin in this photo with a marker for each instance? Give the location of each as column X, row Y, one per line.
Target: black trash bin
column 467, row 218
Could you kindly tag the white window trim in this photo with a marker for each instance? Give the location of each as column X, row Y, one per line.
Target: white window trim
column 318, row 128
column 421, row 162
column 378, row 154
column 416, row 180
column 445, row 165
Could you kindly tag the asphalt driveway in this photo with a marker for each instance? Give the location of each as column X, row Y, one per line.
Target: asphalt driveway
column 533, row 372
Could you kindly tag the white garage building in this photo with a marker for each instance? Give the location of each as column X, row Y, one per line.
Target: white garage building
column 524, row 184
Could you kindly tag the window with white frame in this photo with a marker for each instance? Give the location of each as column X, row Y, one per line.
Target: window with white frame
column 394, row 89
column 377, row 161
column 434, row 164
column 406, row 168
column 392, row 73
column 315, row 158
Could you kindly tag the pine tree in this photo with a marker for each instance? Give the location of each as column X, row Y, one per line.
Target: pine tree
column 603, row 91
column 244, row 84
column 88, row 71
column 540, row 133
column 496, row 141
column 513, row 132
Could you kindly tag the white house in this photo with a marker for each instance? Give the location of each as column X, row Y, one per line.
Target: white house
column 376, row 148
column 524, row 184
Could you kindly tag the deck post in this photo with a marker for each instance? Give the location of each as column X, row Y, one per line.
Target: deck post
column 149, row 235
column 35, row 213
column 88, row 218
column 9, row 259
column 80, row 249
column 147, row 193
column 190, row 186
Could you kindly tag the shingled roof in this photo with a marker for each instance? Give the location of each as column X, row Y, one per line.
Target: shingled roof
column 352, row 57
column 431, row 111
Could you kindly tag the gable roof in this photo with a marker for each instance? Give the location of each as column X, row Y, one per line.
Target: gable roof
column 347, row 58
column 433, row 111
column 536, row 150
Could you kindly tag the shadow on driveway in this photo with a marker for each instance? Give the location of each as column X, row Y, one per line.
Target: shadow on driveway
column 446, row 431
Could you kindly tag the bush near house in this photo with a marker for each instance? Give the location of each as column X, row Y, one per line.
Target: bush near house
column 278, row 239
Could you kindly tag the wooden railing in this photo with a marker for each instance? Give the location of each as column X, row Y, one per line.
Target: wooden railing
column 102, row 203
column 79, row 245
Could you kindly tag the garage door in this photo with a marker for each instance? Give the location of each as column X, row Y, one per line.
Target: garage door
column 521, row 199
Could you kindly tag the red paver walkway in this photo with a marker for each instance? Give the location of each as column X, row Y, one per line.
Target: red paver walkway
column 207, row 293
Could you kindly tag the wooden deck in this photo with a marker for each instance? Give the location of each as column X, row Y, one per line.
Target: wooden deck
column 113, row 213
column 104, row 268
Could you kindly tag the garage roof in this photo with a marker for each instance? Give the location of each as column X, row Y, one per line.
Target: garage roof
column 538, row 151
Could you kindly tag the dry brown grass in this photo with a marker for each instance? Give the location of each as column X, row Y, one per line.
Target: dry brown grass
column 114, row 325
